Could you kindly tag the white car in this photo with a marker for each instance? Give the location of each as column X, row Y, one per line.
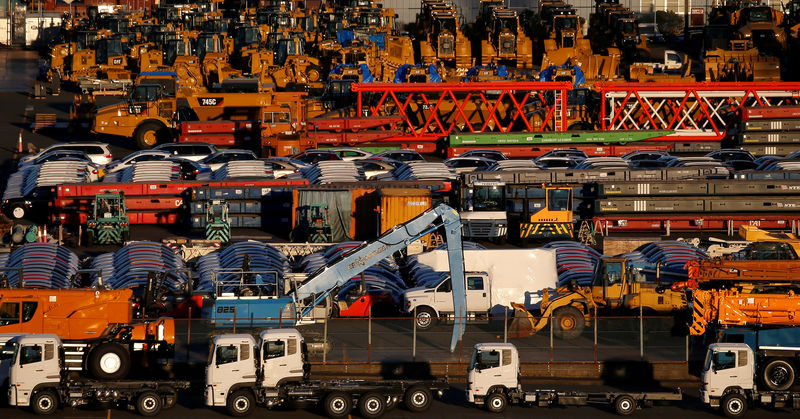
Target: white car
column 468, row 164
column 374, row 168
column 218, row 159
column 143, row 155
column 99, row 153
column 350, row 153
column 284, row 166
column 189, row 151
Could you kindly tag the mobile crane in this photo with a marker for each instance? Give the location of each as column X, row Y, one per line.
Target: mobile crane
column 281, row 310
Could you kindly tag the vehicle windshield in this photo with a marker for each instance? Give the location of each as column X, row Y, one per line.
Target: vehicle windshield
column 8, row 350
column 759, row 14
column 723, row 360
column 488, row 198
column 482, row 360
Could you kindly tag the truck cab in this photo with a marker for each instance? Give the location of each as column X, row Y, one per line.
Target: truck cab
column 240, row 363
column 35, row 366
column 436, row 300
column 494, row 367
column 484, row 210
column 728, row 368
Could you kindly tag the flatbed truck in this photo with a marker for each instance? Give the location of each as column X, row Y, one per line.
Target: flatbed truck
column 274, row 371
column 729, row 382
column 493, row 381
column 38, row 379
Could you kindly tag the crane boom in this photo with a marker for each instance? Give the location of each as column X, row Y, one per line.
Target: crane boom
column 323, row 282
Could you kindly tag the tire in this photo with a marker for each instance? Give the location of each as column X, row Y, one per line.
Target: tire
column 240, row 403
column 391, row 402
column 425, row 318
column 778, row 375
column 149, row 134
column 625, row 405
column 313, row 73
column 372, row 405
column 496, row 403
column 44, row 402
column 18, row 211
column 568, row 323
column 338, row 405
column 418, row 399
column 733, row 405
column 109, row 361
column 170, row 397
column 148, row 403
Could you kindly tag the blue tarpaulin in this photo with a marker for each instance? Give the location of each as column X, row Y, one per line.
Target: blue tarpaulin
column 344, row 37
column 379, row 40
column 547, row 74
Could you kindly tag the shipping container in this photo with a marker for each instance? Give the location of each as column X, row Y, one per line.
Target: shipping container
column 770, row 112
column 771, row 125
column 401, row 205
column 769, row 137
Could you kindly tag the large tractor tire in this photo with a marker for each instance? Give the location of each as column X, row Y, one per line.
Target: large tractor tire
column 149, row 134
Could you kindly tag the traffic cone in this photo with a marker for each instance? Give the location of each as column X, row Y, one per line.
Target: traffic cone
column 44, row 235
column 38, row 235
column 19, row 144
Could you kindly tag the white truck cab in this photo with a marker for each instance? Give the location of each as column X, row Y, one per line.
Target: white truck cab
column 437, row 299
column 240, row 362
column 493, row 366
column 35, row 364
column 728, row 367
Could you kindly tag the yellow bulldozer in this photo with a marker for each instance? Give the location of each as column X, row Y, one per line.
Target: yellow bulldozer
column 741, row 62
column 567, row 46
column 619, row 285
column 506, row 41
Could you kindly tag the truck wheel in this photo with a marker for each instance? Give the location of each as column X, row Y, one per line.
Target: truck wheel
column 418, row 399
column 733, row 405
column 338, row 405
column 109, row 361
column 372, row 405
column 778, row 375
column 240, row 403
column 148, row 135
column 148, row 403
column 568, row 322
column 44, row 402
column 496, row 402
column 391, row 402
column 18, row 211
column 426, row 318
column 625, row 405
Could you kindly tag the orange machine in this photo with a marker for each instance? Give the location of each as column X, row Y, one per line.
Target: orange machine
column 97, row 327
column 768, row 265
column 729, row 308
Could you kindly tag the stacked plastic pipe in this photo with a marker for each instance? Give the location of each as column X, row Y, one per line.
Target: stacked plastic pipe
column 131, row 265
column 45, row 265
column 227, row 265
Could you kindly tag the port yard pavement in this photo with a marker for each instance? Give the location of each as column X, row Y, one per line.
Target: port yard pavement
column 452, row 405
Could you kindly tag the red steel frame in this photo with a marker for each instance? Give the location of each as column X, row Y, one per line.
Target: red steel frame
column 696, row 111
column 488, row 95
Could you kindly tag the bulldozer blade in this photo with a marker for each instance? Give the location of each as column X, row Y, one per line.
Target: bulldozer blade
column 522, row 325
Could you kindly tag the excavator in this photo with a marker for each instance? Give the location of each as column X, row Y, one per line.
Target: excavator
column 311, row 292
column 619, row 285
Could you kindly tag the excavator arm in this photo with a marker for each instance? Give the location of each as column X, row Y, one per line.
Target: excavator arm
column 322, row 283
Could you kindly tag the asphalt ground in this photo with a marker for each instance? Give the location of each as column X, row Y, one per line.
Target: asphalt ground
column 452, row 405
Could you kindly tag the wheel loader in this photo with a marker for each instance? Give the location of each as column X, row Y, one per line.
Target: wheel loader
column 620, row 285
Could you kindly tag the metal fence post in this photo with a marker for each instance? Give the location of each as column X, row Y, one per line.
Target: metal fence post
column 594, row 309
column 641, row 328
column 550, row 322
column 189, row 335
column 369, row 335
column 505, row 325
column 687, row 348
column 325, row 340
column 234, row 319
column 414, row 337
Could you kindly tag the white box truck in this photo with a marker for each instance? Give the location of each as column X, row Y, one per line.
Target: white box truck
column 495, row 278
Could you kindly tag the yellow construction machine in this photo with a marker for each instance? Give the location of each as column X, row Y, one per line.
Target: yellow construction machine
column 741, row 62
column 676, row 68
column 619, row 285
column 506, row 42
column 445, row 42
column 567, row 46
column 552, row 218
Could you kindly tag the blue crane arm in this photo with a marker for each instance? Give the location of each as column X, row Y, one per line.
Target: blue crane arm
column 322, row 283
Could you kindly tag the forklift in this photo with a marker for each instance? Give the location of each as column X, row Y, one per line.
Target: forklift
column 313, row 224
column 108, row 223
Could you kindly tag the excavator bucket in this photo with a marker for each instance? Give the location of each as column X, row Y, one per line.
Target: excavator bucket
column 523, row 323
